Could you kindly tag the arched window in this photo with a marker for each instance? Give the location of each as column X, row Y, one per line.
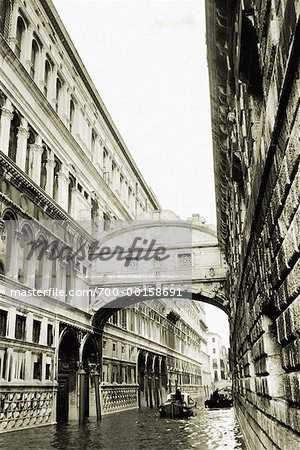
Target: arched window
column 55, row 178
column 13, row 136
column 20, row 36
column 28, row 162
column 34, row 58
column 44, row 168
column 47, row 77
column 7, row 239
column 59, row 93
column 40, row 266
column 72, row 115
column 24, row 265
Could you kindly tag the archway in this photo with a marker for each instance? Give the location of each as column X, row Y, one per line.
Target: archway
column 68, row 357
column 90, row 365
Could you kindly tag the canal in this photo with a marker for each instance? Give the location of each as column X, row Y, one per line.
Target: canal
column 135, row 430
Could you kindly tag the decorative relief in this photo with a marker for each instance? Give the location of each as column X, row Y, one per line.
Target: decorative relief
column 25, row 409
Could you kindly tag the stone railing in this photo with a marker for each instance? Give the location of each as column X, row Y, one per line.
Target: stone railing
column 25, row 407
column 118, row 397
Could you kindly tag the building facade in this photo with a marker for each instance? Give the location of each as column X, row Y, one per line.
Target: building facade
column 219, row 366
column 66, row 173
column 253, row 57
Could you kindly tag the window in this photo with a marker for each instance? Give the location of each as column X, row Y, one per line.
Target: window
column 24, row 269
column 34, row 58
column 72, row 115
column 104, row 344
column 13, row 136
column 47, row 77
column 214, row 350
column 123, row 348
column 44, row 168
column 115, row 318
column 37, row 367
column 36, row 330
column 50, row 334
column 114, row 347
column 20, row 36
column 214, row 339
column 3, row 322
column 19, row 365
column 48, row 371
column 59, row 93
column 20, row 327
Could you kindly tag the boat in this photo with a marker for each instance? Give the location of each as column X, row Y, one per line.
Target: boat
column 175, row 407
column 219, row 399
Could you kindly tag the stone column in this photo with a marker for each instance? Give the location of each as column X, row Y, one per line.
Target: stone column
column 11, row 320
column 29, row 326
column 14, row 19
column 36, row 151
column 23, row 135
column 44, row 331
column 50, row 165
column 63, row 182
column 6, row 117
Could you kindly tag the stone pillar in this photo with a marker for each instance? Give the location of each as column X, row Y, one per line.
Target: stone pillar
column 14, row 19
column 29, row 326
column 23, row 135
column 6, row 117
column 44, row 331
column 50, row 165
column 63, row 182
column 36, row 151
column 11, row 320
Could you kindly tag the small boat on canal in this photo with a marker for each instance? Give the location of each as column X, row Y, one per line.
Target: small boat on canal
column 178, row 404
column 219, row 399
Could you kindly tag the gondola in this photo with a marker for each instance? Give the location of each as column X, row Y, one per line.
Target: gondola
column 174, row 407
column 219, row 400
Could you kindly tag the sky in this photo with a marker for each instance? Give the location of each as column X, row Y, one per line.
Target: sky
column 148, row 61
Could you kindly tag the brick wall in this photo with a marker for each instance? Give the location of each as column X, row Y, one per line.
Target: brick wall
column 260, row 222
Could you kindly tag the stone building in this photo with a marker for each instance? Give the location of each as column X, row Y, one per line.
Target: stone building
column 253, row 58
column 65, row 174
column 219, row 368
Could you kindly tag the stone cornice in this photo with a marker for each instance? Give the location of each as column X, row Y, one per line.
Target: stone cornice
column 217, row 17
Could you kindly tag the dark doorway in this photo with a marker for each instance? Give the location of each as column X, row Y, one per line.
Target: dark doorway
column 68, row 357
column 63, row 398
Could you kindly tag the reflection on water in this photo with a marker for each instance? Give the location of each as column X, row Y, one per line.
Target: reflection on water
column 135, row 430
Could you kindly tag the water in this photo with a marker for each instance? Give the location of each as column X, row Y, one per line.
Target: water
column 135, row 430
